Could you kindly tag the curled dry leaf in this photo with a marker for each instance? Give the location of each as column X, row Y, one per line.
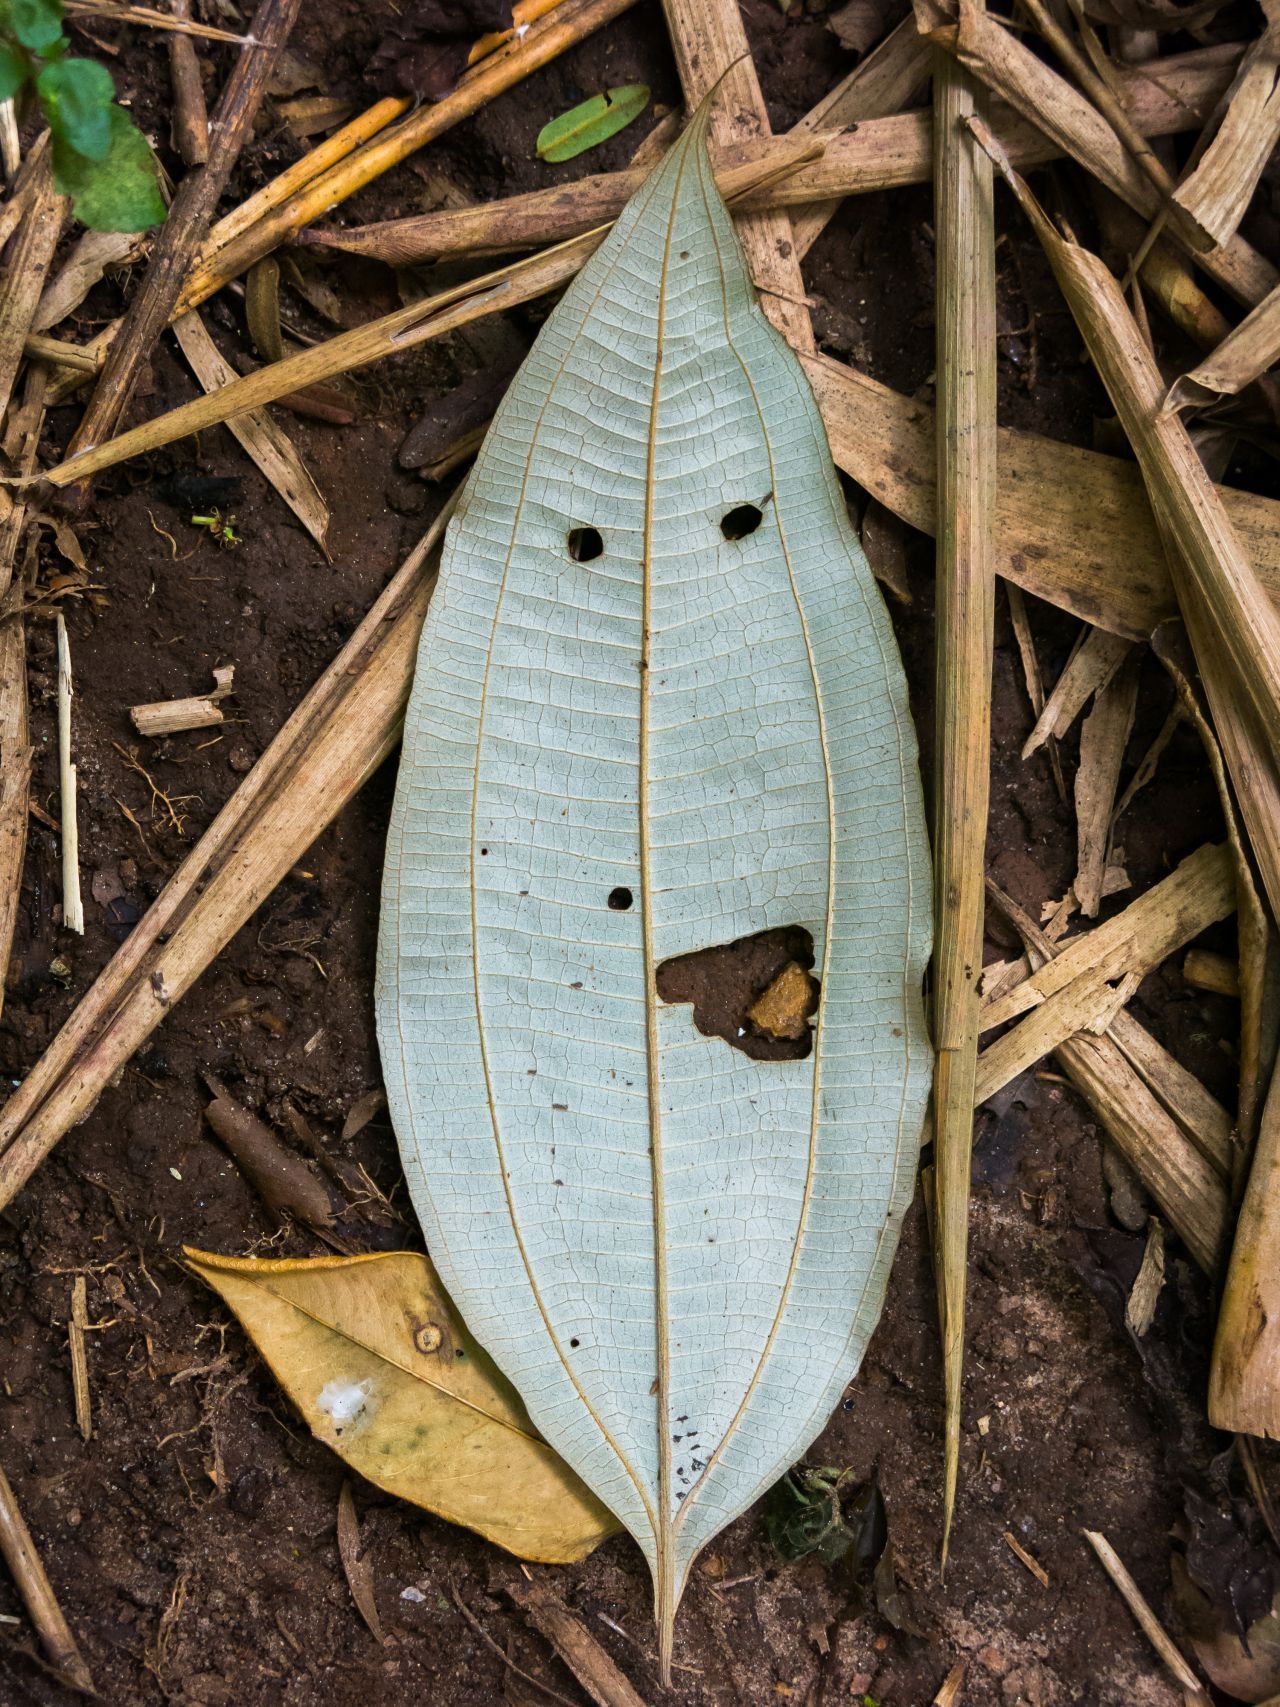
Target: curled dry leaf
column 378, row 1361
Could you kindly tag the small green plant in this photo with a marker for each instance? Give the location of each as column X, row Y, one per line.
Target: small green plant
column 100, row 157
column 224, row 531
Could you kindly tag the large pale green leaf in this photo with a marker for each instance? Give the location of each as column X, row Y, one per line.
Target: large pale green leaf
column 675, row 1252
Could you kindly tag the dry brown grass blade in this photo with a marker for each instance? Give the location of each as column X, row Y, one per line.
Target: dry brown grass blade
column 710, row 45
column 1234, row 626
column 332, row 743
column 25, row 270
column 1218, row 191
column 265, row 440
column 1170, row 1160
column 1104, row 736
column 151, row 18
column 542, row 42
column 1032, row 674
column 1166, row 274
column 964, row 214
column 19, row 1552
column 1237, row 360
column 880, row 153
column 1014, row 73
column 1087, row 672
column 1200, row 1115
column 1072, row 526
column 187, row 223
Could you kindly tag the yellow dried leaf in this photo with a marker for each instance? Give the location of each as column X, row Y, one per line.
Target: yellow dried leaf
column 378, row 1361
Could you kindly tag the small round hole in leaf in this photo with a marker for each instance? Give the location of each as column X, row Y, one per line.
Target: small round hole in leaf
column 620, row 899
column 585, row 544
column 743, row 519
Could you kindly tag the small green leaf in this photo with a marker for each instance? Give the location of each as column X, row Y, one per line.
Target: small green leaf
column 118, row 193
column 36, row 23
column 593, row 121
column 77, row 95
column 13, row 70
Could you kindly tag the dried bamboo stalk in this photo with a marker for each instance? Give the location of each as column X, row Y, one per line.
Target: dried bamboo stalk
column 1234, row 627
column 28, row 1573
column 1150, row 1625
column 25, row 271
column 964, row 215
column 1219, row 189
column 393, row 333
column 185, row 228
column 196, row 711
column 549, row 37
column 1166, row 274
column 882, row 153
column 710, row 45
column 1200, row 1115
column 72, row 906
column 1089, row 1003
column 1014, row 73
column 190, row 123
column 335, row 740
column 15, row 747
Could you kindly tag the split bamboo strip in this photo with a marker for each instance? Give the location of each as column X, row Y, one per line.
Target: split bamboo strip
column 544, row 41
column 187, row 223
column 20, row 1555
column 882, row 153
column 710, row 45
column 333, row 742
column 964, row 215
column 1234, row 627
column 72, row 906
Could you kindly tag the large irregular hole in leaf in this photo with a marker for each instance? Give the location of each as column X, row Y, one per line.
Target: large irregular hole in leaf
column 757, row 993
column 585, row 544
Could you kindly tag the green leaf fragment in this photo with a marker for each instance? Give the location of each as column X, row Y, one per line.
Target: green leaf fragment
column 591, row 122
column 36, row 23
column 13, row 71
column 77, row 95
column 119, row 192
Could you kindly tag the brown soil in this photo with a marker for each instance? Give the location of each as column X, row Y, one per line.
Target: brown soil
column 192, row 1540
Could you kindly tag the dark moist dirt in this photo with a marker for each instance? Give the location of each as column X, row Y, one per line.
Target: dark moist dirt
column 192, row 1540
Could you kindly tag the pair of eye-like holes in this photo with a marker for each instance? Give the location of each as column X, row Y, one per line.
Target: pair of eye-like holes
column 586, row 544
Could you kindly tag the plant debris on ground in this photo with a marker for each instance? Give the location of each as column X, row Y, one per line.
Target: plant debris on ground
column 1030, row 258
